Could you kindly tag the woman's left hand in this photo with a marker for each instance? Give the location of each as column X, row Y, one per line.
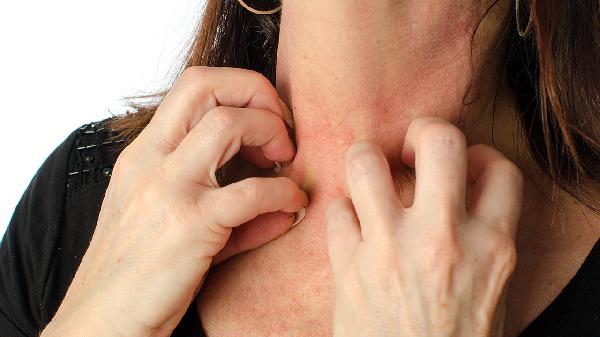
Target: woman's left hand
column 435, row 268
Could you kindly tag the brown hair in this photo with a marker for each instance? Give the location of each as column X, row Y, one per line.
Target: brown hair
column 554, row 72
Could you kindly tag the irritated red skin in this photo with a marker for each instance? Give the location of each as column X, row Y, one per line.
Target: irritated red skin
column 348, row 71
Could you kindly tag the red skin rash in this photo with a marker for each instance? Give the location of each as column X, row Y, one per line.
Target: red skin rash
column 284, row 287
column 349, row 70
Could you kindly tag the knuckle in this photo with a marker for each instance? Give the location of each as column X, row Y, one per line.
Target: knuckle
column 503, row 251
column 443, row 134
column 442, row 251
column 509, row 168
column 481, row 148
column 163, row 143
column 259, row 79
column 445, row 216
column 192, row 74
column 363, row 159
column 279, row 126
column 195, row 82
column 221, row 118
column 505, row 224
column 286, row 183
column 251, row 190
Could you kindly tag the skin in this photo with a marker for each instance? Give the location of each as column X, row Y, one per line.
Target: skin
column 418, row 271
column 379, row 66
column 165, row 221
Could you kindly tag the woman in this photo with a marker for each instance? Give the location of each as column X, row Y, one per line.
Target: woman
column 485, row 108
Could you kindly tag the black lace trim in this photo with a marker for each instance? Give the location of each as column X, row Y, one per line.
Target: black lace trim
column 93, row 155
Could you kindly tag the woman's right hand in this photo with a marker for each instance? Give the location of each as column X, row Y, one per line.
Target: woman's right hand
column 164, row 219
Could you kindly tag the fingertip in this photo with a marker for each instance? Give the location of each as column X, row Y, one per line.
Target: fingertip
column 371, row 187
column 412, row 134
column 408, row 155
column 280, row 148
column 498, row 187
column 408, row 147
column 254, row 155
column 362, row 158
column 410, row 140
column 359, row 146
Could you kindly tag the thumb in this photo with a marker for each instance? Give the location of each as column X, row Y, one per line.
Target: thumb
column 255, row 233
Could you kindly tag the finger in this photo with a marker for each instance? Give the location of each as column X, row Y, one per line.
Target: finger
column 219, row 136
column 497, row 193
column 254, row 155
column 240, row 202
column 438, row 151
column 255, row 233
column 200, row 89
column 343, row 232
column 371, row 188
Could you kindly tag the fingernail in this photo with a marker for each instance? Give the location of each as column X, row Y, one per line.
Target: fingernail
column 287, row 114
column 277, row 167
column 299, row 216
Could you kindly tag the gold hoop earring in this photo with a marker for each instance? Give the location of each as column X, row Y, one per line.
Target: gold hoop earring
column 256, row 11
column 522, row 33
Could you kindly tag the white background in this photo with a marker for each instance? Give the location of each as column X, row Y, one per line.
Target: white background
column 64, row 63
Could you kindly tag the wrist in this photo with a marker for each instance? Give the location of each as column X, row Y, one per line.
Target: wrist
column 78, row 325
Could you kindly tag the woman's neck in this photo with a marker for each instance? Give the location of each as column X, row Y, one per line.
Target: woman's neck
column 364, row 69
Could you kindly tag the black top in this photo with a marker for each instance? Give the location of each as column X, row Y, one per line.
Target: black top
column 53, row 224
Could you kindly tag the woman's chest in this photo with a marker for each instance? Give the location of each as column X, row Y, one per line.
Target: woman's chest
column 281, row 289
column 284, row 288
column 541, row 275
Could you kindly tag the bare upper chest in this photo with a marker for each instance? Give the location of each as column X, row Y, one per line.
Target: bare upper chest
column 541, row 274
column 284, row 288
column 280, row 289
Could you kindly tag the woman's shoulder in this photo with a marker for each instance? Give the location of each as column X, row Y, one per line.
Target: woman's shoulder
column 51, row 227
column 91, row 156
